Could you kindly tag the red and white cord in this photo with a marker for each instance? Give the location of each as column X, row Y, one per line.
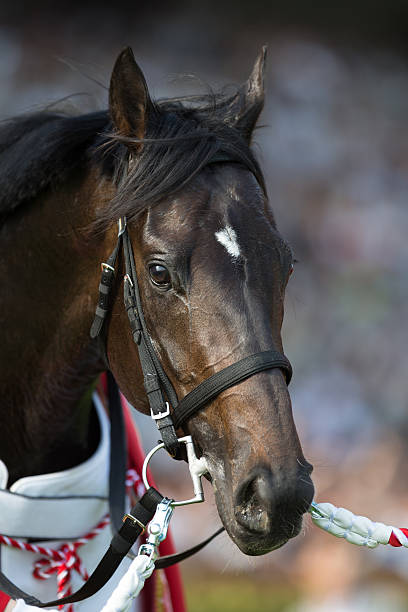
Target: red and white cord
column 358, row 530
column 65, row 560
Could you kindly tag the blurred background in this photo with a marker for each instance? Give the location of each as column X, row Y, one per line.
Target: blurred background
column 334, row 149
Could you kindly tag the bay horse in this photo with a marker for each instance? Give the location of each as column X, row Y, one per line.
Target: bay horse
column 212, row 269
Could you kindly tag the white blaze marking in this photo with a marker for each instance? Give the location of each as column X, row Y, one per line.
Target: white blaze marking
column 228, row 238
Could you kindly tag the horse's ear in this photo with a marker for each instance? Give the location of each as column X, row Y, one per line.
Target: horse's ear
column 246, row 105
column 129, row 98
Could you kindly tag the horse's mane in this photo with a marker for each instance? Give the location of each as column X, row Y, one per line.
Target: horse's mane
column 40, row 150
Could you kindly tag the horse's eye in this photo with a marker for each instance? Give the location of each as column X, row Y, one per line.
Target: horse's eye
column 159, row 275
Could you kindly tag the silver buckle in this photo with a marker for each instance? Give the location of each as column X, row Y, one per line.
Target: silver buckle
column 160, row 415
column 121, row 225
column 105, row 266
column 128, row 279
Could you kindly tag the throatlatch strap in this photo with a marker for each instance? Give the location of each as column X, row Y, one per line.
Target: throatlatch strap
column 133, row 525
column 226, row 378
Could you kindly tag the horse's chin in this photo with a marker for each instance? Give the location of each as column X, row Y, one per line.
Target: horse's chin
column 255, row 544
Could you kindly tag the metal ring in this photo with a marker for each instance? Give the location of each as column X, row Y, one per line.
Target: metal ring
column 197, row 468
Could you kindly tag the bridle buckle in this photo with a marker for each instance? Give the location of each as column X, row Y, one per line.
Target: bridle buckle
column 161, row 415
column 106, row 266
column 121, row 225
column 134, row 520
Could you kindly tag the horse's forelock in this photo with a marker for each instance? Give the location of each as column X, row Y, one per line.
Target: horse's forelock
column 180, row 141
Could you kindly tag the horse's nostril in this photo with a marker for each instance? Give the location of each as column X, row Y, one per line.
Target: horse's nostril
column 255, row 500
column 263, row 489
column 258, row 484
column 265, row 502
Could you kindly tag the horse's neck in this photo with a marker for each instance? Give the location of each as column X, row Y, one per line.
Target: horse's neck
column 47, row 361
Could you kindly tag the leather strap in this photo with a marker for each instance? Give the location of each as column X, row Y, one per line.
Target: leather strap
column 226, row 378
column 105, row 288
column 156, row 382
column 163, row 562
column 118, row 456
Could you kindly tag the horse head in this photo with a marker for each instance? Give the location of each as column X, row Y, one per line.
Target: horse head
column 212, row 270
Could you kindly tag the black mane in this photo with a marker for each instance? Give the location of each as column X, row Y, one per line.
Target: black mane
column 40, row 150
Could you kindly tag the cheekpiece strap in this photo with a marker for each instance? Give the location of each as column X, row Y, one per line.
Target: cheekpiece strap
column 106, row 284
column 156, row 382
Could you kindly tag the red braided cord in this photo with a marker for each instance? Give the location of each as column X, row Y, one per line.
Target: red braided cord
column 65, row 560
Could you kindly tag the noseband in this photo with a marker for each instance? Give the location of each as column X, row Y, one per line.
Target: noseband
column 160, row 391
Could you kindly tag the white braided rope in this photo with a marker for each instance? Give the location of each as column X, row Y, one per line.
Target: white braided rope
column 357, row 530
column 130, row 585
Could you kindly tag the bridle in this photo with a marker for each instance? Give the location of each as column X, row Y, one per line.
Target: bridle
column 166, row 410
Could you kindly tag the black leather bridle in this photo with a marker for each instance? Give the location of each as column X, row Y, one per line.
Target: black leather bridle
column 167, row 411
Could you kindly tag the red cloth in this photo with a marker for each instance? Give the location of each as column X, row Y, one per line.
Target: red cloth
column 4, row 599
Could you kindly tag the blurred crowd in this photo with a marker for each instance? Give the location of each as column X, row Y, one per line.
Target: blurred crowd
column 334, row 149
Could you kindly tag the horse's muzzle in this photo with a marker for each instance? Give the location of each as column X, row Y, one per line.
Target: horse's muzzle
column 269, row 507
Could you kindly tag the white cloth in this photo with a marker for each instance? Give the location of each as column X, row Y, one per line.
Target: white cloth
column 25, row 512
column 21, row 606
